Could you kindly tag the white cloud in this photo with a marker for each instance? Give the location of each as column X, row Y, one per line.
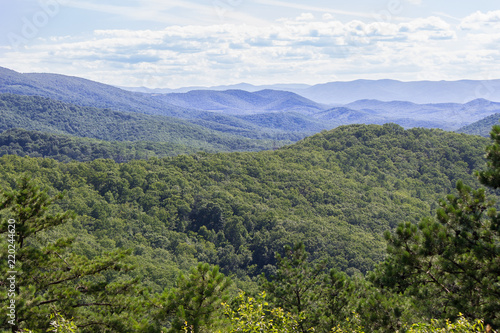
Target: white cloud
column 304, row 49
column 480, row 20
column 305, row 17
column 327, row 17
column 432, row 23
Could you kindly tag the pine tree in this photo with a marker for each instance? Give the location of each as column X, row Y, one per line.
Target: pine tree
column 450, row 264
column 47, row 278
column 195, row 300
column 296, row 287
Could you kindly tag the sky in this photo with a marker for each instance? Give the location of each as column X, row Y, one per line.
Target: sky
column 174, row 43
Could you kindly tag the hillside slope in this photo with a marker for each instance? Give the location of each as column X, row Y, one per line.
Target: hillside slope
column 481, row 127
column 66, row 148
column 242, row 102
column 336, row 191
column 52, row 116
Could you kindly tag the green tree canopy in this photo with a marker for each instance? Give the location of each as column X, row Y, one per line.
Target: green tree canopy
column 48, row 276
column 450, row 264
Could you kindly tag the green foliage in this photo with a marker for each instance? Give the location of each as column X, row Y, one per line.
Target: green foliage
column 334, row 191
column 61, row 325
column 53, row 116
column 449, row 264
column 66, row 148
column 194, row 301
column 337, row 192
column 51, row 278
column 491, row 176
column 255, row 315
column 462, row 325
column 351, row 324
column 58, row 324
column 296, row 287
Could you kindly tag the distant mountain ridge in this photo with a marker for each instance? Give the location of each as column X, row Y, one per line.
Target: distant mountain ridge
column 79, row 91
column 448, row 116
column 276, row 114
column 87, row 93
column 242, row 102
column 344, row 92
column 35, row 113
column 481, row 127
column 421, row 92
column 240, row 86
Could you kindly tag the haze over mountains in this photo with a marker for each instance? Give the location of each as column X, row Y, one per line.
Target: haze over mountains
column 420, row 92
column 229, row 118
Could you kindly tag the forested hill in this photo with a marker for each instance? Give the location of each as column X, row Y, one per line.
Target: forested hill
column 66, row 148
column 80, row 91
column 52, row 116
column 336, row 191
column 481, row 127
column 268, row 114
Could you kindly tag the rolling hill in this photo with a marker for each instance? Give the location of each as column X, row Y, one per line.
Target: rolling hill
column 481, row 127
column 52, row 116
column 337, row 191
column 66, row 148
column 241, row 102
column 421, row 92
column 270, row 114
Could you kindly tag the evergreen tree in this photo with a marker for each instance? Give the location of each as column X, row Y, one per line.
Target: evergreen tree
column 450, row 264
column 296, row 287
column 195, row 300
column 45, row 277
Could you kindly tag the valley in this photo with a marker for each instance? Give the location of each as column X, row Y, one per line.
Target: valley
column 167, row 195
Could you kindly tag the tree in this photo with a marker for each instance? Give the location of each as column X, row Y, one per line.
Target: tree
column 254, row 315
column 450, row 264
column 491, row 176
column 58, row 324
column 195, row 300
column 337, row 296
column 296, row 287
column 463, row 325
column 45, row 277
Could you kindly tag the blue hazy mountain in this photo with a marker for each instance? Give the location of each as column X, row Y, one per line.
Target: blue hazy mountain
column 242, row 102
column 448, row 116
column 278, row 114
column 240, row 86
column 81, row 92
column 481, row 127
column 421, row 92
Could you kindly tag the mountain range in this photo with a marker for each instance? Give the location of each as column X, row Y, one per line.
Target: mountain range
column 420, row 92
column 213, row 115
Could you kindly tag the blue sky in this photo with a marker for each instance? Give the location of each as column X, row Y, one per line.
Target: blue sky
column 170, row 44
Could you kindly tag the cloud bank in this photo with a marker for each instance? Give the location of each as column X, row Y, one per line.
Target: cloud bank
column 309, row 48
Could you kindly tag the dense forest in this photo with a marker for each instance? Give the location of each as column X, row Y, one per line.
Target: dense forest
column 51, row 116
column 322, row 233
column 481, row 127
column 66, row 148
